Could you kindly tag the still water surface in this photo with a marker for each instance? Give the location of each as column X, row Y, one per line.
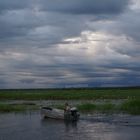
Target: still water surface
column 31, row 126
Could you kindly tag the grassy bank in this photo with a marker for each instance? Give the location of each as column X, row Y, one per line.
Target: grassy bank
column 131, row 106
column 70, row 94
column 16, row 107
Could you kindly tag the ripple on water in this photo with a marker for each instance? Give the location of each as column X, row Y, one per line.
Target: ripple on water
column 31, row 126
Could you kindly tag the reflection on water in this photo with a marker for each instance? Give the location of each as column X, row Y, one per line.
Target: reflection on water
column 31, row 126
column 70, row 125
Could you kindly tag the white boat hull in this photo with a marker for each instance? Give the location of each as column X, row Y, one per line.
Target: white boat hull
column 55, row 113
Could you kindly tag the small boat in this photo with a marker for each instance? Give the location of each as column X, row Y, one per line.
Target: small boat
column 54, row 113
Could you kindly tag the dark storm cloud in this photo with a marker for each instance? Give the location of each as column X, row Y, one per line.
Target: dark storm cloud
column 13, row 4
column 85, row 6
column 27, row 23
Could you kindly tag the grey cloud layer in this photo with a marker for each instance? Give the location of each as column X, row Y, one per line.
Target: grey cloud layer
column 13, row 5
column 35, row 52
column 22, row 18
column 85, row 6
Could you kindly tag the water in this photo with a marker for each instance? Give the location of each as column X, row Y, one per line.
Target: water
column 61, row 102
column 27, row 126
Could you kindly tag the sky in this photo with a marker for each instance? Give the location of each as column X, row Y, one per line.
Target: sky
column 69, row 43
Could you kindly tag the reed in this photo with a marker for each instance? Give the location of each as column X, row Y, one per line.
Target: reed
column 131, row 106
column 70, row 94
column 16, row 107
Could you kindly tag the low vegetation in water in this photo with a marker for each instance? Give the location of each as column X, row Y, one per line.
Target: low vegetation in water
column 129, row 106
column 16, row 107
column 86, row 107
column 98, row 108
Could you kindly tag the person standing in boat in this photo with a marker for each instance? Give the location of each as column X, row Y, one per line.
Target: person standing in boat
column 67, row 107
column 67, row 111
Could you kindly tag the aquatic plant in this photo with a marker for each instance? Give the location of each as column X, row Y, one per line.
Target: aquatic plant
column 16, row 107
column 131, row 106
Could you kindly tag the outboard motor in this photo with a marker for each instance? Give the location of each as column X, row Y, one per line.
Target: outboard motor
column 74, row 113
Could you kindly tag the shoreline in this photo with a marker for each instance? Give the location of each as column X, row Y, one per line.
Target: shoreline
column 110, row 100
column 129, row 106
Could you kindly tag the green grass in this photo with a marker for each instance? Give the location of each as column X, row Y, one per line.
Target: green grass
column 87, row 107
column 16, row 107
column 106, row 107
column 70, row 94
column 102, row 108
column 131, row 106
column 131, row 95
